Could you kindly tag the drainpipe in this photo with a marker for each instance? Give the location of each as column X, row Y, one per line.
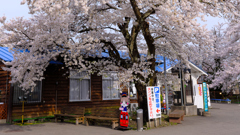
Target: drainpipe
column 6, row 88
column 56, row 98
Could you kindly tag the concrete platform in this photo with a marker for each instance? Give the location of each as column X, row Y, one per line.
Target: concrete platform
column 189, row 110
column 206, row 114
column 2, row 121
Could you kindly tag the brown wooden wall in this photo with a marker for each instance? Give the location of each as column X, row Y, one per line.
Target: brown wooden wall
column 4, row 85
column 49, row 88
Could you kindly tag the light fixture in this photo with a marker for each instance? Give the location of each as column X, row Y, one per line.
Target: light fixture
column 220, row 93
column 25, row 98
column 20, row 98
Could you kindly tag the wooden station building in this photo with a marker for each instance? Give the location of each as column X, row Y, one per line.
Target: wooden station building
column 57, row 90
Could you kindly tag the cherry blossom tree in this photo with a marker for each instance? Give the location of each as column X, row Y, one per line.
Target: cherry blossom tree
column 227, row 56
column 131, row 32
column 221, row 60
column 208, row 58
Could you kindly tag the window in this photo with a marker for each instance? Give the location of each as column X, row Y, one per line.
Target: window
column 32, row 96
column 110, row 86
column 132, row 91
column 79, row 86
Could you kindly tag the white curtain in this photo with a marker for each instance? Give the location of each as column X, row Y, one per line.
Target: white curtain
column 85, row 89
column 106, row 89
column 74, row 94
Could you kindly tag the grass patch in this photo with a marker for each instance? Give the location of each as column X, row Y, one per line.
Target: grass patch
column 33, row 121
column 25, row 119
column 26, row 124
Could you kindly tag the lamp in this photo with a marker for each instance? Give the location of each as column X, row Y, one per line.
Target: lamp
column 20, row 98
column 25, row 98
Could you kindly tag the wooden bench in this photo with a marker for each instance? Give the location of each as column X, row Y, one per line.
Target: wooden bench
column 176, row 116
column 74, row 112
column 110, row 114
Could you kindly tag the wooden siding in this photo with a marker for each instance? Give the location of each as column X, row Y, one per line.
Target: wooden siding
column 4, row 85
column 48, row 106
column 5, row 89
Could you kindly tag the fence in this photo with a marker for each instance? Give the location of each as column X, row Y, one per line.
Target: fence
column 3, row 111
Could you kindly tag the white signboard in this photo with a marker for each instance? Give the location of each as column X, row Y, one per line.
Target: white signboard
column 198, row 96
column 154, row 102
column 208, row 94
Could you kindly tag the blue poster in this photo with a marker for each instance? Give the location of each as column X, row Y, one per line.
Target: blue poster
column 205, row 98
column 157, row 97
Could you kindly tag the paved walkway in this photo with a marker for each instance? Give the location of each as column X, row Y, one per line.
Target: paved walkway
column 225, row 119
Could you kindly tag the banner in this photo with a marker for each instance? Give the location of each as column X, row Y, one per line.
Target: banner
column 154, row 102
column 205, row 97
column 198, row 96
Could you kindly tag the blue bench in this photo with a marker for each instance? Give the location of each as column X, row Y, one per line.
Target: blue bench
column 222, row 100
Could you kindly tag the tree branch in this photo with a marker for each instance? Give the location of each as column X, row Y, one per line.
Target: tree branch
column 148, row 13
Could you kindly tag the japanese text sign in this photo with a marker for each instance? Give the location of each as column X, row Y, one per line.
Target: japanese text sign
column 154, row 102
column 205, row 98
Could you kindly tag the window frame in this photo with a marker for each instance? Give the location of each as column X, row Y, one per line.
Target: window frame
column 27, row 101
column 80, row 81
column 107, row 72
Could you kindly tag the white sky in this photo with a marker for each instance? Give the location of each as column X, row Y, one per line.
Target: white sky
column 12, row 8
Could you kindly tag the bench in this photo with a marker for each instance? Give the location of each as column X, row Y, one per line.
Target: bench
column 176, row 116
column 110, row 114
column 72, row 112
column 222, row 100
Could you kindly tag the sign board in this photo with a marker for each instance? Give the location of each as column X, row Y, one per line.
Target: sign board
column 198, row 96
column 154, row 102
column 205, row 97
column 208, row 94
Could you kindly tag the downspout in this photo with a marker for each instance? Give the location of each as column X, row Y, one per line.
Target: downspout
column 6, row 88
column 56, row 98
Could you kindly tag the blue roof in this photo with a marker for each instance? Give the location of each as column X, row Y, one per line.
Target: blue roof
column 159, row 60
column 8, row 56
column 169, row 63
column 5, row 54
column 198, row 67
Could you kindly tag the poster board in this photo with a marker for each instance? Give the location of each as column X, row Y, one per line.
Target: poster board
column 198, row 96
column 153, row 102
column 208, row 94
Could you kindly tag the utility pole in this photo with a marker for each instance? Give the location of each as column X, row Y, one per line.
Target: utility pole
column 180, row 72
column 184, row 89
column 165, row 84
